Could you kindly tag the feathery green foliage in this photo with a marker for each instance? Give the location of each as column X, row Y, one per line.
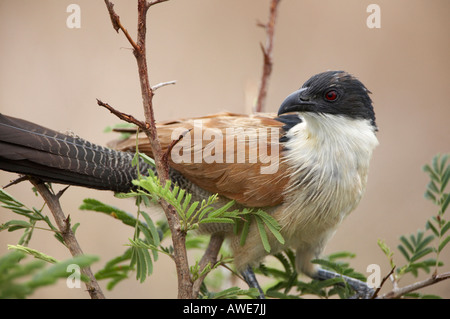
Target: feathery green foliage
column 417, row 248
column 19, row 279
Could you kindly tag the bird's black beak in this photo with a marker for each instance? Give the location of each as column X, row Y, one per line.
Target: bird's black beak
column 295, row 102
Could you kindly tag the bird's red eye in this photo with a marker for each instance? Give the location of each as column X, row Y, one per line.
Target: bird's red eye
column 331, row 95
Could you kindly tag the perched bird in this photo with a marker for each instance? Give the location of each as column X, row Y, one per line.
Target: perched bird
column 306, row 166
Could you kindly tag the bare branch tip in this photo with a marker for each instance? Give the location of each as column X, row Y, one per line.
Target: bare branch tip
column 160, row 85
column 152, row 3
column 261, row 24
column 113, row 15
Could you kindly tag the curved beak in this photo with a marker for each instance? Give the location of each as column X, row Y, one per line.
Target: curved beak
column 294, row 103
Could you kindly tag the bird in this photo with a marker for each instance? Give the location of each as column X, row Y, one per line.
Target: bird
column 306, row 165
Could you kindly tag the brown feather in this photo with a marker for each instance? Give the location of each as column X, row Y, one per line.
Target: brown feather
column 238, row 178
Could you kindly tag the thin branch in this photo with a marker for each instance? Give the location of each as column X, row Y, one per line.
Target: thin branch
column 162, row 167
column 398, row 292
column 210, row 257
column 125, row 117
column 151, row 3
column 267, row 55
column 160, row 85
column 382, row 283
column 16, row 181
column 67, row 234
column 117, row 25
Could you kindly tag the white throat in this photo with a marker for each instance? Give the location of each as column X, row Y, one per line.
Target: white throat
column 329, row 155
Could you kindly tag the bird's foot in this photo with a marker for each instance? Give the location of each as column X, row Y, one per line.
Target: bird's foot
column 363, row 291
column 250, row 279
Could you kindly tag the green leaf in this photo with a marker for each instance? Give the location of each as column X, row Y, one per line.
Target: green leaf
column 141, row 268
column 148, row 261
column 329, row 282
column 341, row 255
column 445, row 202
column 404, row 252
column 115, row 261
column 385, row 248
column 186, row 201
column 262, row 233
column 97, row 206
column 135, row 160
column 216, row 220
column 141, row 258
column 429, row 225
column 222, row 209
column 289, row 267
column 244, row 233
column 152, row 228
column 421, row 254
column 279, row 295
column 445, row 228
column 116, row 270
column 234, row 292
column 34, row 253
column 59, row 270
column 429, row 195
column 424, row 243
column 432, row 187
column 180, row 194
column 445, row 178
column 8, row 199
column 443, row 162
column 329, row 264
column 443, row 243
column 418, row 239
column 435, row 162
column 8, row 260
column 75, row 227
column 205, row 211
column 191, row 209
column 147, row 159
column 148, row 236
column 271, row 224
column 407, row 244
column 16, row 224
column 430, row 172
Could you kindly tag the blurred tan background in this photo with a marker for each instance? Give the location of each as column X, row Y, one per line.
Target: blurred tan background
column 52, row 75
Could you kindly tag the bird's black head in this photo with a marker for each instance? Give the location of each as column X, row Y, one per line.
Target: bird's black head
column 332, row 92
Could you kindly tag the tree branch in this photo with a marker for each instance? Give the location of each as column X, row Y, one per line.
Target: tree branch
column 382, row 282
column 210, row 257
column 70, row 240
column 151, row 3
column 124, row 117
column 267, row 55
column 162, row 168
column 115, row 19
column 159, row 85
column 398, row 292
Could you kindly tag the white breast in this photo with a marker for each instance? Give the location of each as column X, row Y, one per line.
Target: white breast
column 329, row 156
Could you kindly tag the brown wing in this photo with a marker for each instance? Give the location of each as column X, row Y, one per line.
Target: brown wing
column 229, row 154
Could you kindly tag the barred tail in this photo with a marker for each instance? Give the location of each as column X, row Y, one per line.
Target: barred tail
column 30, row 149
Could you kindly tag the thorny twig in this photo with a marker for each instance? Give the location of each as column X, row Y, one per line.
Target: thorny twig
column 210, row 257
column 63, row 223
column 398, row 292
column 267, row 55
column 139, row 50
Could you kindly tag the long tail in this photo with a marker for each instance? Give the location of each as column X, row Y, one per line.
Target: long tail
column 30, row 149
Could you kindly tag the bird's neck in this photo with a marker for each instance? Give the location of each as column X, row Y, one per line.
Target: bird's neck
column 329, row 156
column 327, row 140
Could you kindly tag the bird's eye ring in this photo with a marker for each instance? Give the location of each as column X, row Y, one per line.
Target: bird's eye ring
column 331, row 95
